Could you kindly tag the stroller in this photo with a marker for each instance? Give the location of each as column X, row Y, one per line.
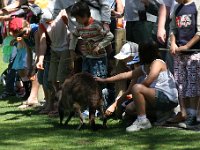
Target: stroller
column 10, row 75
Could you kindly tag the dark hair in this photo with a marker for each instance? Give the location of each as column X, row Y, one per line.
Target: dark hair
column 80, row 9
column 148, row 52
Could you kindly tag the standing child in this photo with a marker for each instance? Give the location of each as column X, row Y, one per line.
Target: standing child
column 184, row 35
column 95, row 40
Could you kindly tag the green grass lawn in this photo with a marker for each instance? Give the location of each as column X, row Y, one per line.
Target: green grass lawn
column 28, row 130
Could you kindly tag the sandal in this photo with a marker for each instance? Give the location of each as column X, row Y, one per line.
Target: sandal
column 6, row 94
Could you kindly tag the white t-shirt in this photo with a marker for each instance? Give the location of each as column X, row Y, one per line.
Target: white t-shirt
column 131, row 11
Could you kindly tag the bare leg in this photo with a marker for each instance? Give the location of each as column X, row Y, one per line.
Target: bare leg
column 32, row 99
column 141, row 94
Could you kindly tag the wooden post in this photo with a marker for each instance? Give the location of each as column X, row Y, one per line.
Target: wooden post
column 120, row 40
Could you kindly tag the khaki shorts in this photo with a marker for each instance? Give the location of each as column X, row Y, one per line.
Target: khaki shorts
column 61, row 66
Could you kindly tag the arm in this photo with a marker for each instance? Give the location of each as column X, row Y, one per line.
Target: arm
column 192, row 42
column 106, row 41
column 118, row 77
column 13, row 7
column 42, row 48
column 72, row 44
column 155, row 69
column 173, row 46
column 120, row 9
column 37, row 41
column 108, row 36
column 73, row 40
column 172, row 33
column 163, row 14
column 134, row 75
column 122, row 98
column 120, row 6
column 5, row 18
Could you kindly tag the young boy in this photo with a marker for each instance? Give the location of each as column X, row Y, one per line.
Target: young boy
column 95, row 40
column 130, row 59
column 184, row 35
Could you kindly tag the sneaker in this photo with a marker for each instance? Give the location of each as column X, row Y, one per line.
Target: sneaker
column 188, row 123
column 139, row 125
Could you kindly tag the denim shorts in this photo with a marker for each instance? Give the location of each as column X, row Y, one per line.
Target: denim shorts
column 163, row 103
column 96, row 66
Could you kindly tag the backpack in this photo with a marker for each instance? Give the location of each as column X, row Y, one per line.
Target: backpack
column 7, row 48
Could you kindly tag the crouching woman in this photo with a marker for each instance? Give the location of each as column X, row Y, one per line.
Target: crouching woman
column 158, row 89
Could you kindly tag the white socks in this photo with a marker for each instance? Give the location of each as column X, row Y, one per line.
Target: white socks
column 141, row 117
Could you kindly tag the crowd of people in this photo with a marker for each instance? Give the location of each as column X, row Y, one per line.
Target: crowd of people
column 46, row 42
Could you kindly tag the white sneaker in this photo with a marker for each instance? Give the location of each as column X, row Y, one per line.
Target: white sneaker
column 139, row 125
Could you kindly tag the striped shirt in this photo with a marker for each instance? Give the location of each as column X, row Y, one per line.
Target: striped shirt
column 93, row 35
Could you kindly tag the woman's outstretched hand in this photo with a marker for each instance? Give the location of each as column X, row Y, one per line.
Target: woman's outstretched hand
column 99, row 79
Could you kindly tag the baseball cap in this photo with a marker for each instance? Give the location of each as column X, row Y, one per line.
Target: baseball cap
column 135, row 60
column 128, row 49
column 16, row 24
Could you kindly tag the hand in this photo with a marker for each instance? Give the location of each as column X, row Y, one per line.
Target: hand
column 99, row 79
column 96, row 50
column 173, row 48
column 161, row 36
column 116, row 14
column 39, row 65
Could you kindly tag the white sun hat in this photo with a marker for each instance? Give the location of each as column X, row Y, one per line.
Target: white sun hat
column 128, row 49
